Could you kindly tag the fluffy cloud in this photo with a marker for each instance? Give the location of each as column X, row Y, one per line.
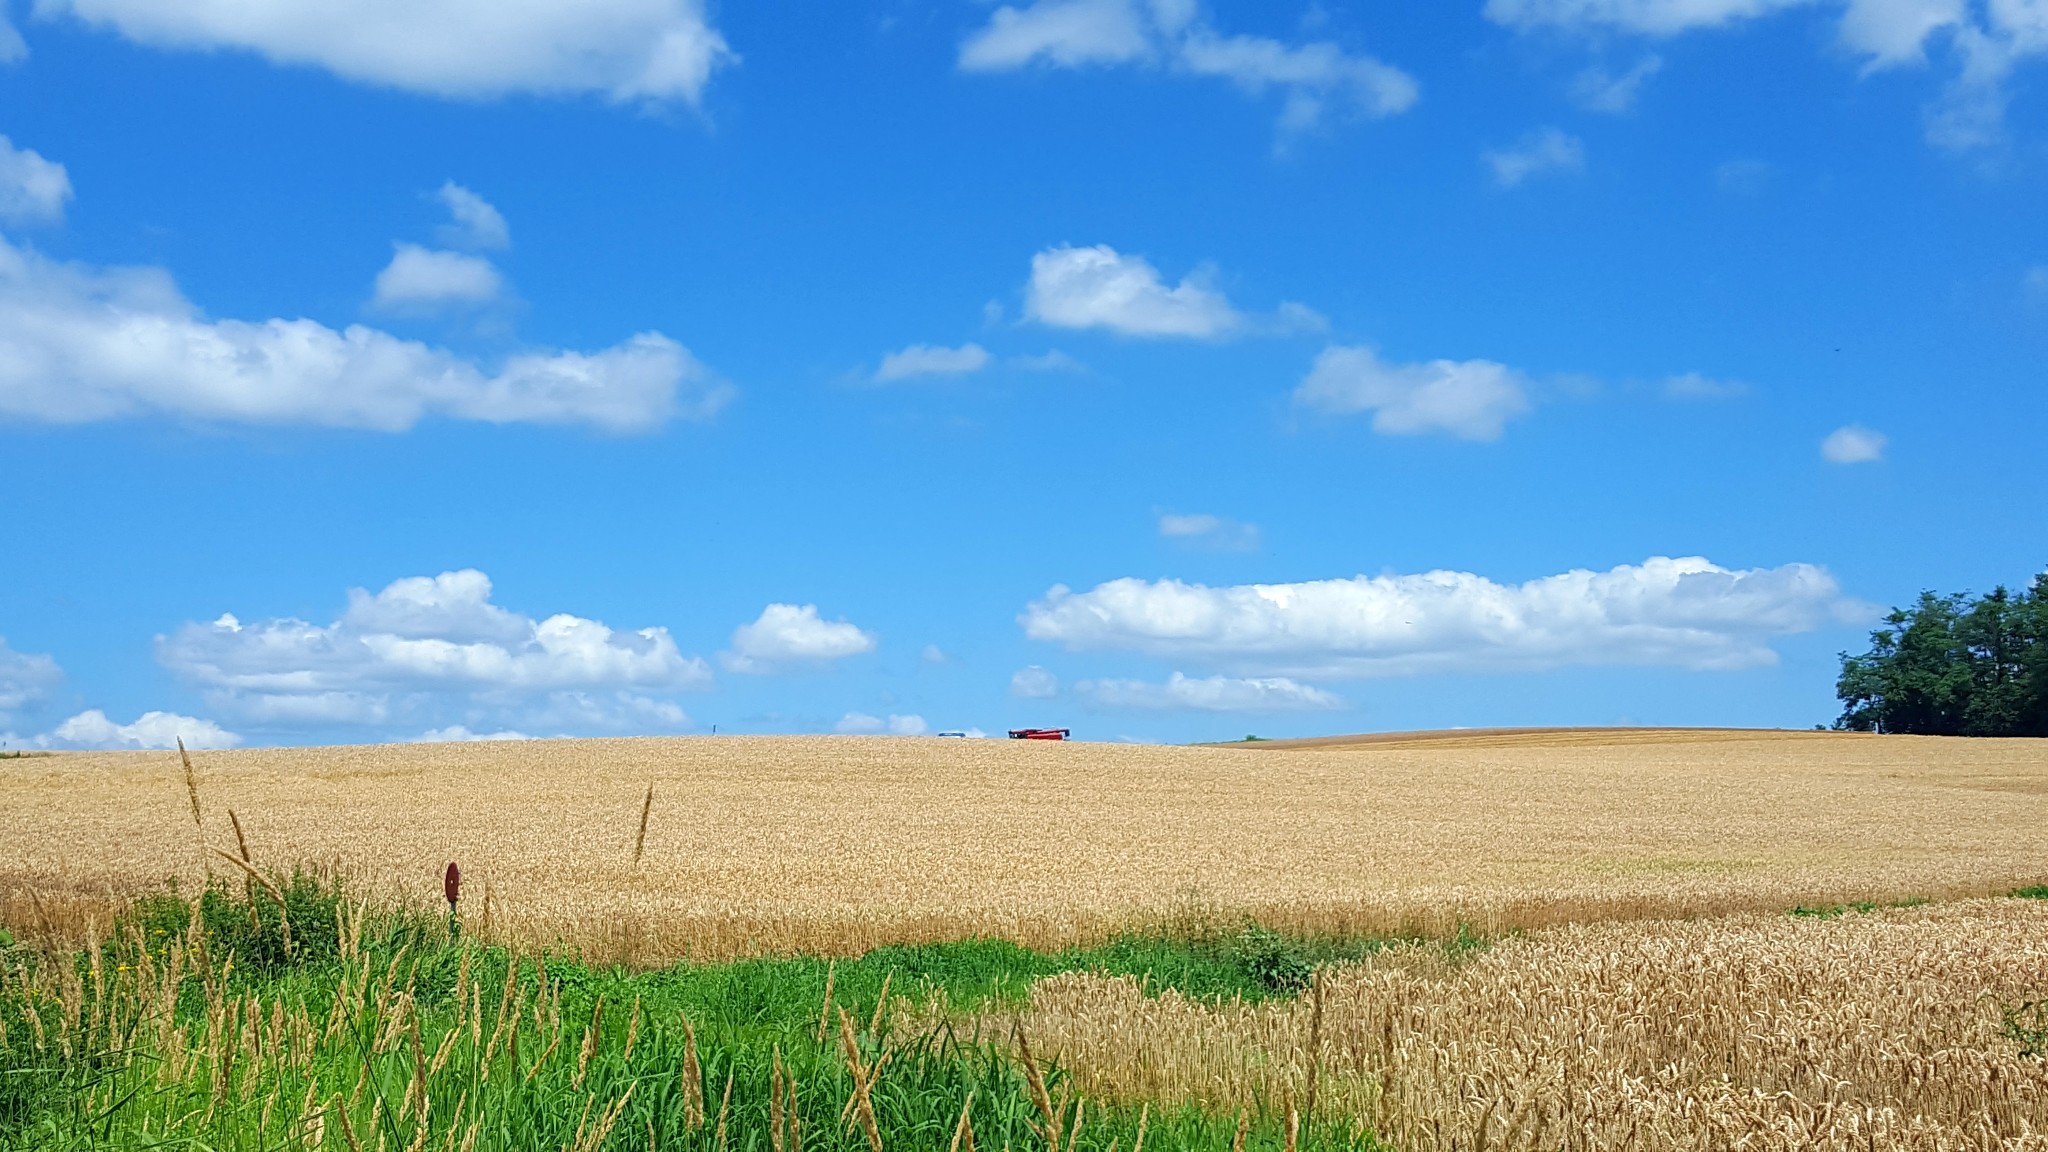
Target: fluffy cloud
column 1544, row 150
column 79, row 344
column 1597, row 90
column 25, row 678
column 476, row 223
column 1034, row 683
column 1648, row 17
column 457, row 734
column 793, row 635
column 1311, row 75
column 1210, row 531
column 1988, row 41
column 1170, row 33
column 1693, row 386
column 860, row 723
column 92, row 729
column 12, row 47
column 1210, row 694
column 32, row 190
column 1896, row 31
column 1100, row 287
column 1470, row 399
column 428, row 647
column 1853, row 444
column 931, row 360
column 626, row 50
column 1687, row 613
column 1063, row 33
column 425, row 277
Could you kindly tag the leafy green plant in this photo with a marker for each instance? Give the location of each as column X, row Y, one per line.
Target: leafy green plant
column 267, row 926
column 1273, row 961
column 2027, row 1026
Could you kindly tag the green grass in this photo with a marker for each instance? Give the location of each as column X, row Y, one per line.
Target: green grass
column 2032, row 892
column 381, row 1012
column 1831, row 911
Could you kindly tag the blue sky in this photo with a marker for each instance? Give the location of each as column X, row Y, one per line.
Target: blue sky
column 1161, row 370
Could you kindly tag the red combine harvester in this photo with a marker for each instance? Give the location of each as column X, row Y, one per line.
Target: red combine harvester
column 1040, row 733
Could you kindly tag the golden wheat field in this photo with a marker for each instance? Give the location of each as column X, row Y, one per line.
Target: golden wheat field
column 835, row 844
column 1875, row 1030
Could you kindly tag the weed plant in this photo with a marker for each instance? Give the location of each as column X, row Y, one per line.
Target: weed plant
column 277, row 1016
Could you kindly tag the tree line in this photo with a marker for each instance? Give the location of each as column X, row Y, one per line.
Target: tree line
column 1954, row 665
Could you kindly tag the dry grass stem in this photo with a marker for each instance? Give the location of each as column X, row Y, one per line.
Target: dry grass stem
column 825, row 1009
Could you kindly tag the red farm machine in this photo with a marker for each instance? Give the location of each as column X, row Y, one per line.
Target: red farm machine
column 1041, row 734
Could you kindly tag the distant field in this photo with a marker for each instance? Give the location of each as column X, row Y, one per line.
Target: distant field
column 1536, row 738
column 759, row 844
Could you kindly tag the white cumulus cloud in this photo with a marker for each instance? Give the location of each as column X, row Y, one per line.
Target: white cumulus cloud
column 79, row 344
column 476, row 223
column 931, row 360
column 1064, row 33
column 1598, row 90
column 1311, row 75
column 25, row 678
column 793, row 635
column 1896, row 31
column 1853, row 444
column 860, row 723
column 1171, row 34
column 435, row 649
column 1205, row 530
column 625, row 50
column 1469, row 399
column 1687, row 613
column 457, row 734
column 1694, row 386
column 1034, row 683
column 92, row 729
column 1648, row 17
column 425, row 277
column 1987, row 41
column 1209, row 694
column 1544, row 150
column 1099, row 287
column 32, row 190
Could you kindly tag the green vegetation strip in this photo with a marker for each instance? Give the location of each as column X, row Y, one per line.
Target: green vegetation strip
column 270, row 1019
